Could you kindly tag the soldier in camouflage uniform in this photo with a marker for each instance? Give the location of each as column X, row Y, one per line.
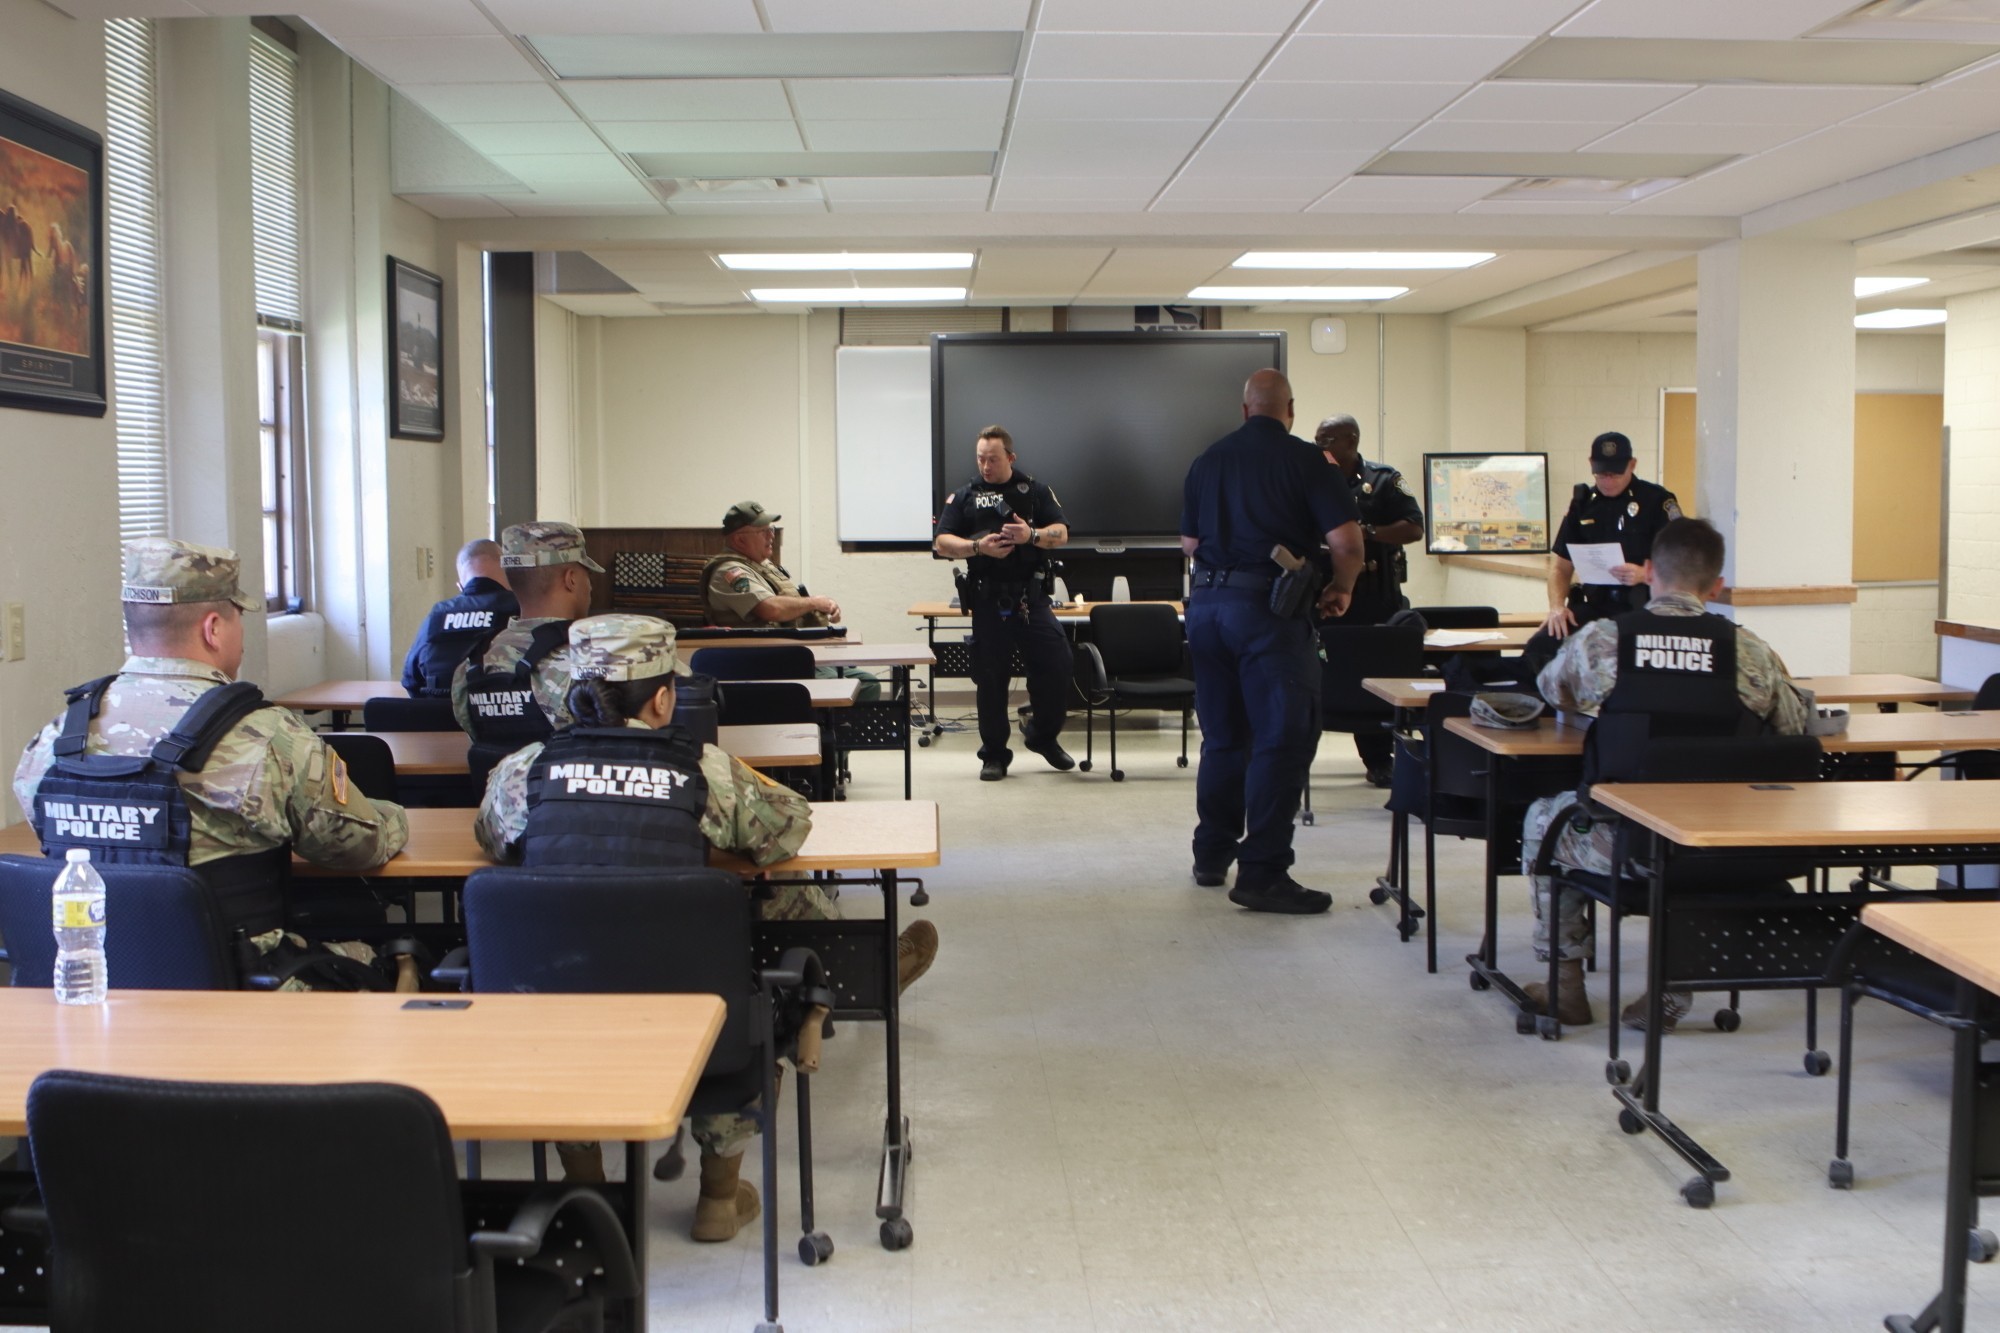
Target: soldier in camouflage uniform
column 545, row 564
column 624, row 667
column 1579, row 681
column 745, row 588
column 269, row 782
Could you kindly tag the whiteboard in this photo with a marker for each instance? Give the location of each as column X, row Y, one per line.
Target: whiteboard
column 882, row 443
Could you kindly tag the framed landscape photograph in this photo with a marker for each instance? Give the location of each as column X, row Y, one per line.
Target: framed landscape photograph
column 51, row 262
column 1493, row 504
column 416, row 352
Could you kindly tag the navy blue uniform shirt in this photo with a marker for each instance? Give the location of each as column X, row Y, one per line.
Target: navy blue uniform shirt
column 980, row 507
column 1632, row 519
column 1257, row 487
column 449, row 632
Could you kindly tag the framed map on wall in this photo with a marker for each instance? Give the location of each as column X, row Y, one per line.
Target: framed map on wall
column 51, row 262
column 1494, row 504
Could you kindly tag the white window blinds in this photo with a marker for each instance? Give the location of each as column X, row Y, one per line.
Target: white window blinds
column 274, row 183
column 132, row 193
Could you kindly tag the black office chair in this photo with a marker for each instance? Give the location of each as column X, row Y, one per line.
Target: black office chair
column 157, row 1222
column 663, row 932
column 1355, row 653
column 370, row 765
column 766, row 702
column 1975, row 765
column 392, row 714
column 1137, row 658
column 1460, row 617
column 778, row 662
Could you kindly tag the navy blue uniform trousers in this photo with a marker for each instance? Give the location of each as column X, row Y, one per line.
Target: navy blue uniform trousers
column 1256, row 689
column 997, row 633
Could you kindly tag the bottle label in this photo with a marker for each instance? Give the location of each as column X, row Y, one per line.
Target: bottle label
column 79, row 913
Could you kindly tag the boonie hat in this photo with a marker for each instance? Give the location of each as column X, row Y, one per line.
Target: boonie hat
column 747, row 514
column 162, row 572
column 621, row 647
column 538, row 545
column 1610, row 452
column 1506, row 711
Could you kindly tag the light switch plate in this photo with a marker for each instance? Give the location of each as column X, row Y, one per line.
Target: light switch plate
column 17, row 631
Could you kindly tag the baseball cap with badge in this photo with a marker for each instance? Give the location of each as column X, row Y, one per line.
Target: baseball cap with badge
column 621, row 647
column 1610, row 452
column 163, row 572
column 747, row 514
column 539, row 545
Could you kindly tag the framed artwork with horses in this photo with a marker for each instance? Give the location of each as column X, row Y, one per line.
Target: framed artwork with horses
column 51, row 262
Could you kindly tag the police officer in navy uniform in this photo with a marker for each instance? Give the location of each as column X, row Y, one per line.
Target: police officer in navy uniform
column 1619, row 508
column 1001, row 524
column 1390, row 520
column 1256, row 674
column 484, row 605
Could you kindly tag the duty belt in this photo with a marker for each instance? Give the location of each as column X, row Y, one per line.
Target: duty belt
column 1252, row 580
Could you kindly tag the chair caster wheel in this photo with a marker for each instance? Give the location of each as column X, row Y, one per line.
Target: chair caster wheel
column 671, row 1166
column 1478, row 982
column 1378, row 895
column 1085, row 765
column 896, row 1234
column 923, row 742
column 1840, row 1174
column 1629, row 1121
column 815, row 1248
column 920, row 899
column 1699, row 1192
column 1524, row 1022
column 1117, row 775
column 1982, row 1246
column 1818, row 1062
column 1547, row 1026
column 769, row 1328
column 1180, row 761
column 1406, row 929
column 1306, row 818
column 1727, row 1020
column 1617, row 1072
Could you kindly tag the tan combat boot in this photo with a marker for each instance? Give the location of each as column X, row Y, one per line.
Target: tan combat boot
column 916, row 950
column 1572, row 1003
column 582, row 1163
column 727, row 1204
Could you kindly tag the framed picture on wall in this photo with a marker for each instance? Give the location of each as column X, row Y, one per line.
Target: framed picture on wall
column 1490, row 503
column 416, row 352
column 51, row 262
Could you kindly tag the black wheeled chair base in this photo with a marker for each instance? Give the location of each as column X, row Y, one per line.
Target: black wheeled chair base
column 1634, row 1118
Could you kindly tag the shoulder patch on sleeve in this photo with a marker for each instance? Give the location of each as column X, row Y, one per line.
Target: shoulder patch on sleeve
column 338, row 779
column 740, row 582
column 951, row 497
column 1671, row 506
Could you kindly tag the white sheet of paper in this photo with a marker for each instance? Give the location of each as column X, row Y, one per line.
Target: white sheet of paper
column 1426, row 686
column 1458, row 638
column 1594, row 560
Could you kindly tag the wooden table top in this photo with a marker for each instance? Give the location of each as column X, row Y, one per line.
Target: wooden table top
column 1961, row 937
column 1506, row 639
column 505, row 1067
column 1816, row 814
column 846, row 835
column 834, row 652
column 1546, row 739
column 1400, row 692
column 443, row 753
column 1866, row 732
column 1885, row 688
column 340, row 694
column 1067, row 611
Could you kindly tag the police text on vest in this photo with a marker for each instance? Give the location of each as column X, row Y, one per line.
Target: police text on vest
column 1674, row 652
column 655, row 784
column 90, row 822
column 468, row 620
column 508, row 703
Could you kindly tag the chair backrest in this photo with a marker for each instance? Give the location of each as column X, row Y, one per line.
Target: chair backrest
column 1458, row 767
column 1138, row 638
column 1989, row 693
column 632, row 932
column 235, row 1207
column 392, row 714
column 757, row 703
column 161, row 927
column 370, row 765
column 792, row 661
column 1355, row 653
column 1460, row 617
column 1731, row 759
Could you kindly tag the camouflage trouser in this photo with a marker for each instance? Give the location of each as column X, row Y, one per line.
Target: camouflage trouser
column 1589, row 851
column 272, row 939
column 871, row 684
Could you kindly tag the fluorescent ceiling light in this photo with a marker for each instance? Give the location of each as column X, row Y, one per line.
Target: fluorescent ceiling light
column 1325, row 295
column 1899, row 319
column 844, row 262
column 1878, row 286
column 1593, row 166
column 1725, row 60
column 852, row 295
column 1359, row 259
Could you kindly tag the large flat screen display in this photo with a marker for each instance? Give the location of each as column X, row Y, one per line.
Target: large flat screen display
column 1110, row 420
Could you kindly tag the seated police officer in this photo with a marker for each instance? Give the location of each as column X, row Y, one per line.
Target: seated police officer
column 745, row 588
column 694, row 797
column 1672, row 662
column 219, row 780
column 484, row 604
column 513, row 687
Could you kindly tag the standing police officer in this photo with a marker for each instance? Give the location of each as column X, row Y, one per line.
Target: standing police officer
column 484, row 604
column 1390, row 520
column 1000, row 524
column 1256, row 676
column 1619, row 508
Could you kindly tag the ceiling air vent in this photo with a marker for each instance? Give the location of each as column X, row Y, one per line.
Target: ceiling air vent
column 1590, row 189
column 904, row 326
column 743, row 187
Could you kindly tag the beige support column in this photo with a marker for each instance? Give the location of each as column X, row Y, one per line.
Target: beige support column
column 1774, row 357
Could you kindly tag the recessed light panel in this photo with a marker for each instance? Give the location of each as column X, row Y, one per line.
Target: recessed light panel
column 1719, row 60
column 1879, row 286
column 1899, row 319
column 1324, row 295
column 1363, row 259
column 852, row 295
column 843, row 262
column 1573, row 166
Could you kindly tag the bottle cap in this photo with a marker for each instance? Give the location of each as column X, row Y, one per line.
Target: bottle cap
column 75, row 854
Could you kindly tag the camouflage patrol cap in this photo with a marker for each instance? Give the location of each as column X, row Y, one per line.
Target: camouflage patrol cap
column 747, row 514
column 161, row 572
column 621, row 647
column 1502, row 710
column 529, row 545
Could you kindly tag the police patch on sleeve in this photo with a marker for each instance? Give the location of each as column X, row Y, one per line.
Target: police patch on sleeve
column 951, row 498
column 741, row 583
column 1671, row 506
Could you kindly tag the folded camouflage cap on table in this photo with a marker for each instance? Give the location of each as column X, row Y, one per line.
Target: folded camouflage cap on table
column 163, row 572
column 621, row 647
column 540, row 544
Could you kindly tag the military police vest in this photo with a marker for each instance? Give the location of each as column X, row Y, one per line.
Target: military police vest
column 616, row 796
column 1676, row 678
column 451, row 631
column 501, row 704
column 129, row 809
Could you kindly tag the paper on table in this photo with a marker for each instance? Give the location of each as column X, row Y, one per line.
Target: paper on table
column 1426, row 686
column 1457, row 638
column 1593, row 560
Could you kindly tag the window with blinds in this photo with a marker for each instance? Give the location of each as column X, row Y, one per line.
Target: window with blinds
column 132, row 193
column 274, row 183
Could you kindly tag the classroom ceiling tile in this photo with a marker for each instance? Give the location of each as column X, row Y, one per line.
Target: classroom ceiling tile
column 1505, row 136
column 1502, row 18
column 1063, row 189
column 889, row 99
column 1083, row 55
column 1648, row 137
column 572, row 136
column 1326, row 166
column 1054, row 273
column 1269, row 99
column 913, row 135
column 530, row 206
column 456, row 205
column 1180, row 203
column 1123, row 99
column 896, row 15
column 1268, row 17
column 775, row 55
column 398, row 18
column 703, row 136
column 401, row 60
column 564, row 169
column 1006, row 202
column 486, row 103
column 1971, row 102
column 907, row 189
column 1527, row 100
column 1333, row 59
column 1804, row 104
column 694, row 205
column 1765, row 20
column 908, row 205
column 626, row 17
column 1395, row 191
column 1241, row 134
column 1143, row 273
column 680, row 99
column 1297, row 190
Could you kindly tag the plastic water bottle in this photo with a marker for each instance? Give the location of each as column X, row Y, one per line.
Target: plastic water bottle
column 79, row 921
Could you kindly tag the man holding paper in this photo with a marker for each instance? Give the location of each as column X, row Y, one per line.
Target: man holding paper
column 1605, row 540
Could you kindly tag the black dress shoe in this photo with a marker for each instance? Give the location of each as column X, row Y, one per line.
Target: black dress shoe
column 992, row 771
column 1057, row 756
column 1378, row 777
column 1283, row 894
column 1211, row 879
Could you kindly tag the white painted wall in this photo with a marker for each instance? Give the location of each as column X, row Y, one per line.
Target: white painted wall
column 1972, row 412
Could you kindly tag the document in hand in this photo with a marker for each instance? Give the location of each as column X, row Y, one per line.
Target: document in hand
column 1594, row 560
